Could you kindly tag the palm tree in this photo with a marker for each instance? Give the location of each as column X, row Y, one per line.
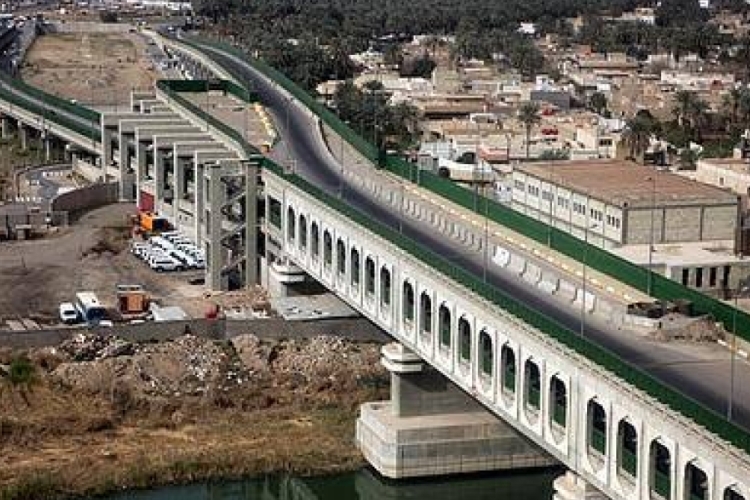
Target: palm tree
column 528, row 115
column 690, row 111
column 637, row 136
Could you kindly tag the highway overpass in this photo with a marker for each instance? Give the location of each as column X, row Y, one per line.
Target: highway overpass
column 452, row 285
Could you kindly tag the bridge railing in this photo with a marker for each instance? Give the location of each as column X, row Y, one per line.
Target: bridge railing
column 677, row 401
column 52, row 100
column 710, row 420
column 597, row 258
column 89, row 131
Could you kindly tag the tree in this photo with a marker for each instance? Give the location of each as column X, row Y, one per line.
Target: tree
column 21, row 375
column 598, row 101
column 528, row 115
column 688, row 158
column 637, row 136
column 690, row 112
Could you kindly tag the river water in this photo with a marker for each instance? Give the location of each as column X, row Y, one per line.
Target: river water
column 364, row 485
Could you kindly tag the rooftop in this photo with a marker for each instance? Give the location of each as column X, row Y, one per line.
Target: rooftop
column 625, row 183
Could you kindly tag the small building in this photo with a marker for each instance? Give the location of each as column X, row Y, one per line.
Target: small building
column 614, row 203
column 681, row 228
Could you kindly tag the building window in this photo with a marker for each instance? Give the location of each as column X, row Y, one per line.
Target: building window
column 712, row 277
column 685, row 276
column 698, row 277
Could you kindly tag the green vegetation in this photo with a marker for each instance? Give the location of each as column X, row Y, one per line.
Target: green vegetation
column 528, row 115
column 367, row 111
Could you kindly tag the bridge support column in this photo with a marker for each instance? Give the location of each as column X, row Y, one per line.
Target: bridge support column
column 47, row 149
column 431, row 428
column 571, row 486
column 23, row 135
column 179, row 190
column 215, row 278
column 198, row 219
column 5, row 127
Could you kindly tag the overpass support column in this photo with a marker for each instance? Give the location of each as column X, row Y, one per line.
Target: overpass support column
column 215, row 278
column 571, row 486
column 431, row 428
column 47, row 148
column 5, row 127
column 251, row 223
column 179, row 186
column 198, row 219
column 23, row 134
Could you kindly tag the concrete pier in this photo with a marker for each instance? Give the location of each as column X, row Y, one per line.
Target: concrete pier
column 571, row 486
column 431, row 428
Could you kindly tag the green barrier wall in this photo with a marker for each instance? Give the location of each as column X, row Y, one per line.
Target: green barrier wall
column 91, row 132
column 52, row 100
column 710, row 420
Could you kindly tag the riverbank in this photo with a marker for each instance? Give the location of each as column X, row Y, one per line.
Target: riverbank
column 100, row 416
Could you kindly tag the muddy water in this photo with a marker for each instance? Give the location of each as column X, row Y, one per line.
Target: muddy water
column 364, row 485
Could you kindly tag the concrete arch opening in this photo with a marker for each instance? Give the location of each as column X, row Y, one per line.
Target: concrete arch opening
column 731, row 493
column 596, row 436
column 303, row 233
column 354, row 268
column 696, row 483
column 627, row 450
column 508, row 370
column 464, row 341
column 444, row 326
column 660, row 480
column 486, row 355
column 558, row 415
column 340, row 258
column 291, row 225
column 315, row 241
column 408, row 303
column 533, row 387
column 385, row 287
column 425, row 315
column 327, row 249
column 369, row 277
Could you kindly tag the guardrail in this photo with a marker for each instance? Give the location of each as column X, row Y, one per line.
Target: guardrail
column 597, row 258
column 90, row 132
column 677, row 401
column 52, row 100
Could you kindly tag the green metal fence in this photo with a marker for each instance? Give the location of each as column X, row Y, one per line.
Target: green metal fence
column 662, row 485
column 563, row 242
column 89, row 131
column 629, row 462
column 52, row 100
column 598, row 440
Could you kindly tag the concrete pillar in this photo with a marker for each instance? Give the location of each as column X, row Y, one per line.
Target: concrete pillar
column 47, row 149
column 23, row 135
column 430, row 427
column 124, row 161
column 159, row 173
column 5, row 127
column 214, row 250
column 571, row 486
column 251, row 223
column 107, row 148
column 198, row 219
column 179, row 185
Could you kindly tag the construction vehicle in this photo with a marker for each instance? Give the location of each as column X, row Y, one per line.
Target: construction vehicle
column 152, row 223
column 132, row 300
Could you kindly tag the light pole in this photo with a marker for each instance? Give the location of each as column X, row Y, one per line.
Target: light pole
column 583, row 285
column 651, row 234
column 485, row 262
column 742, row 287
column 550, row 200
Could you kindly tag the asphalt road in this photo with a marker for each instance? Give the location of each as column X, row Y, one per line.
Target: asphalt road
column 700, row 371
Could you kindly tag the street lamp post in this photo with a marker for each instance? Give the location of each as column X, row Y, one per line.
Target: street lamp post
column 583, row 285
column 741, row 288
column 485, row 259
column 649, row 282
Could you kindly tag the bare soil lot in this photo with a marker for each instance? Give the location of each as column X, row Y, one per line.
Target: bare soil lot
column 92, row 255
column 89, row 421
column 93, row 68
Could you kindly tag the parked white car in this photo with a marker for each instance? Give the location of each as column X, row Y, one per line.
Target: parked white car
column 68, row 313
column 165, row 264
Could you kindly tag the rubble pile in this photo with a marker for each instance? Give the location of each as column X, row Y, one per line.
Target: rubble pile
column 188, row 365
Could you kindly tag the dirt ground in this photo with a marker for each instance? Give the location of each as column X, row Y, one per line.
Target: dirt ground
column 99, row 414
column 91, row 255
column 93, row 68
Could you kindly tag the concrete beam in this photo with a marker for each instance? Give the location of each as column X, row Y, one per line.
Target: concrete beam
column 113, row 119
